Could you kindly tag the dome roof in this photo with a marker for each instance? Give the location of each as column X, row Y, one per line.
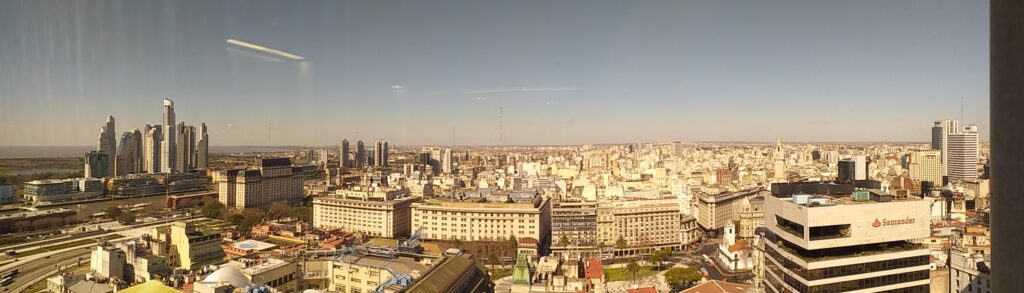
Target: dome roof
column 228, row 275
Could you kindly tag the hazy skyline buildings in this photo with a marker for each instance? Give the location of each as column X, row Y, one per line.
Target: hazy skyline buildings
column 686, row 52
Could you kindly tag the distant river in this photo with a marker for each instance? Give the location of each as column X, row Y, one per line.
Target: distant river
column 8, row 152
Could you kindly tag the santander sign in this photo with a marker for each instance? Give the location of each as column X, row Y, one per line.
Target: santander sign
column 892, row 222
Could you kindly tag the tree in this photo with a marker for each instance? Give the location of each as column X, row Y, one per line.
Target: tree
column 492, row 260
column 235, row 218
column 620, row 243
column 682, row 278
column 302, row 213
column 633, row 268
column 659, row 256
column 279, row 210
column 212, row 210
column 113, row 212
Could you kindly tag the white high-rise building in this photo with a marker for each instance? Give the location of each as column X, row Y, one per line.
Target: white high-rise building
column 446, row 161
column 168, row 148
column 940, row 138
column 151, row 148
column 962, row 154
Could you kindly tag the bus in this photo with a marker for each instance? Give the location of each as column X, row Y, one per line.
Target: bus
column 9, row 274
column 7, row 281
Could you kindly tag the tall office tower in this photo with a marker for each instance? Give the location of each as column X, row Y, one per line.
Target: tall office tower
column 424, row 157
column 378, row 153
column 926, row 165
column 962, row 154
column 151, row 148
column 861, row 167
column 843, row 243
column 186, row 146
column 96, row 164
column 386, row 155
column 780, row 161
column 360, row 154
column 853, row 168
column 108, row 144
column 203, row 148
column 446, row 161
column 129, row 156
column 343, row 150
column 941, row 130
column 168, row 148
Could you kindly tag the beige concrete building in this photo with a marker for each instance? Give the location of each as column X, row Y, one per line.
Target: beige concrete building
column 361, row 273
column 272, row 181
column 375, row 212
column 186, row 246
column 836, row 244
column 646, row 225
column 969, row 272
column 279, row 274
column 476, row 221
column 714, row 211
column 749, row 216
column 926, row 165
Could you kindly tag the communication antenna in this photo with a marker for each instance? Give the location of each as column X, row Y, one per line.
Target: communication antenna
column 962, row 108
column 501, row 128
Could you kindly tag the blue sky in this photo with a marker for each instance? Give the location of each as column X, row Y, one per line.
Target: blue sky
column 563, row 72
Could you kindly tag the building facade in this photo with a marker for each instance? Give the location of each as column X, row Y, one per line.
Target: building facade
column 926, row 165
column 377, row 213
column 817, row 243
column 640, row 226
column 574, row 227
column 473, row 221
column 273, row 180
column 962, row 163
column 716, row 210
column 168, row 148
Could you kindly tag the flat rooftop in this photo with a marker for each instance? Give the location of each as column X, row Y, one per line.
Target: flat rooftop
column 269, row 264
column 253, row 245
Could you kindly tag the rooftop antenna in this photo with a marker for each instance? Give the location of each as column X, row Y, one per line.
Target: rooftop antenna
column 501, row 134
column 961, row 108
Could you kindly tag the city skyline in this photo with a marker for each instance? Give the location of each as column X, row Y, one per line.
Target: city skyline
column 700, row 71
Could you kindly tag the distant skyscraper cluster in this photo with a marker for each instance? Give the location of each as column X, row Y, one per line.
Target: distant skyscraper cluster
column 164, row 148
column 379, row 158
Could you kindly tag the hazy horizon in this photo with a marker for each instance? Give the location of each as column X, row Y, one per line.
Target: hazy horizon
column 437, row 73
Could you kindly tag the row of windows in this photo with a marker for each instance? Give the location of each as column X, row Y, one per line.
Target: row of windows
column 847, row 270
